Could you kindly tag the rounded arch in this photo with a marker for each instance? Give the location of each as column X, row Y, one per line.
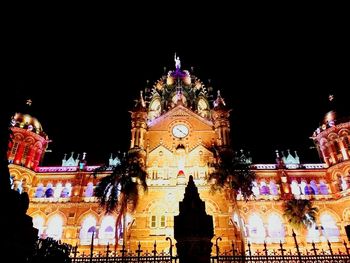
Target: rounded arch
column 332, row 136
column 343, row 132
column 29, row 140
column 17, row 137
column 38, row 145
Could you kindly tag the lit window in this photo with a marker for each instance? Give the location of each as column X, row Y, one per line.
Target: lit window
column 313, row 185
column 330, row 229
column 153, row 221
column 256, row 229
column 39, row 191
column 162, row 221
column 107, row 229
column 295, row 188
column 323, row 188
column 38, row 223
column 89, row 192
column 313, row 234
column 55, row 227
column 276, row 228
column 273, row 188
column 87, row 228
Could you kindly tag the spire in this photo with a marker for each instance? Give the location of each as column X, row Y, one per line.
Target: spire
column 64, row 160
column 219, row 102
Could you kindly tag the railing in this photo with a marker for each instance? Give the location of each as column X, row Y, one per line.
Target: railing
column 266, row 255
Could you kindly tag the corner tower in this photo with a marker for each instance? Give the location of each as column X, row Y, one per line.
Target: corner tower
column 29, row 141
column 332, row 139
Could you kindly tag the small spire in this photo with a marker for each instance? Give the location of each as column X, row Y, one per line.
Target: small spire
column 29, row 102
column 65, row 157
column 143, row 103
column 219, row 100
column 277, row 154
column 84, row 155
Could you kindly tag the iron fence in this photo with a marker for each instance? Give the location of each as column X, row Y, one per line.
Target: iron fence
column 266, row 255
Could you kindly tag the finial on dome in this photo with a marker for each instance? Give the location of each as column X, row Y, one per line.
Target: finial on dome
column 177, row 62
column 29, row 102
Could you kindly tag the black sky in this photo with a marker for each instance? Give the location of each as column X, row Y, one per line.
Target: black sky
column 275, row 75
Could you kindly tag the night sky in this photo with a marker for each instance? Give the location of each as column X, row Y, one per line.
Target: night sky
column 83, row 81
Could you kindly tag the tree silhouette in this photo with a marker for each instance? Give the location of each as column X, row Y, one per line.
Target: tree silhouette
column 119, row 190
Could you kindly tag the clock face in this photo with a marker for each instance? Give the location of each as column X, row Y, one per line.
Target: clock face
column 180, row 130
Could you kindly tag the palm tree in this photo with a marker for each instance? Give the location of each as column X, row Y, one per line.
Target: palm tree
column 119, row 191
column 233, row 173
column 300, row 213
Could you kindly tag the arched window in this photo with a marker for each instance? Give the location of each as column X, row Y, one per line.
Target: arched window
column 313, row 234
column 256, row 229
column 66, row 192
column 49, row 191
column 273, row 188
column 107, row 230
column 313, row 185
column 38, row 223
column 89, row 191
column 58, row 190
column 303, row 185
column 275, row 228
column 330, row 230
column 344, row 184
column 39, row 191
column 87, row 228
column 264, row 189
column 255, row 189
column 323, row 188
column 55, row 227
column 295, row 188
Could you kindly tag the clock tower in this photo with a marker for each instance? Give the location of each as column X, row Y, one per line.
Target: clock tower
column 177, row 127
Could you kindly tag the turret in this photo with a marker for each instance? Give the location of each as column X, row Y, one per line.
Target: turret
column 220, row 115
column 29, row 141
column 138, row 125
column 332, row 138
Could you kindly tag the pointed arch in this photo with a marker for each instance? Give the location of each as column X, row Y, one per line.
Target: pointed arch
column 55, row 226
column 88, row 228
column 39, row 220
column 256, row 229
column 275, row 228
column 329, row 227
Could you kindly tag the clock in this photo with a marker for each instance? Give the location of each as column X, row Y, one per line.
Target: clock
column 180, row 131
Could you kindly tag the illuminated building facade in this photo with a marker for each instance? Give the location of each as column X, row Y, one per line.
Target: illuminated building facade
column 176, row 125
